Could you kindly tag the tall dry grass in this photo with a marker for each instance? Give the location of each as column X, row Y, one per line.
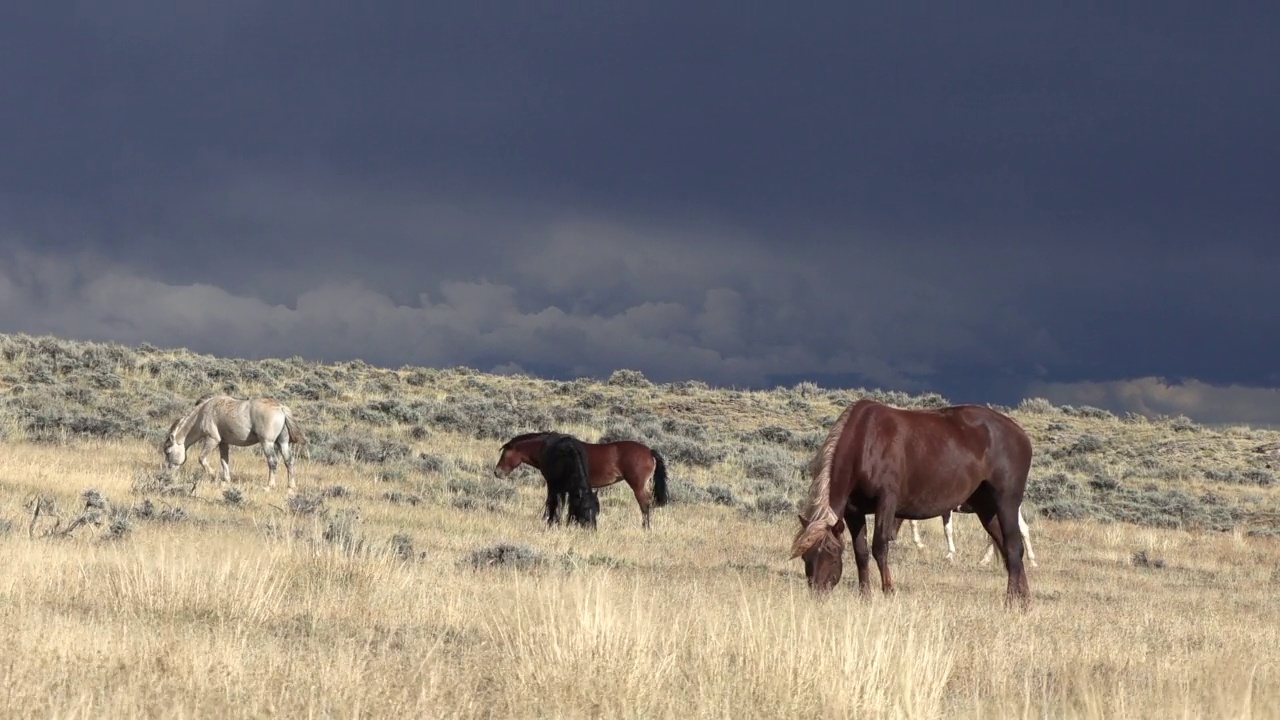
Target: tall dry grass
column 247, row 610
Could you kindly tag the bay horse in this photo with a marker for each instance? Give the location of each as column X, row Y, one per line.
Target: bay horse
column 564, row 466
column 950, row 537
column 607, row 463
column 912, row 464
column 222, row 421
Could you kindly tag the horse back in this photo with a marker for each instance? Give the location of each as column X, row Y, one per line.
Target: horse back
column 931, row 460
column 246, row 421
column 612, row 461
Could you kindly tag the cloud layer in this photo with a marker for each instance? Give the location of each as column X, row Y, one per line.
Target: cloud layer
column 1154, row 396
column 977, row 201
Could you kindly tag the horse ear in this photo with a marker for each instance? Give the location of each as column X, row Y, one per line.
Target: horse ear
column 804, row 521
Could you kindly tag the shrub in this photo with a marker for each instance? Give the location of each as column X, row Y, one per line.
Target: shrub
column 1252, row 476
column 431, row 463
column 1088, row 411
column 628, row 378
column 342, row 530
column 494, row 491
column 692, row 452
column 769, row 506
column 172, row 514
column 1143, row 560
column 722, row 495
column 769, row 463
column 402, row 548
column 1035, row 406
column 505, row 555
column 305, row 503
column 395, row 497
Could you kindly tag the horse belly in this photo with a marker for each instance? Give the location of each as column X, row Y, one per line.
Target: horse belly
column 235, row 433
column 920, row 503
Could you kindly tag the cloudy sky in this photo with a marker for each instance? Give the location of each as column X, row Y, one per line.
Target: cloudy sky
column 987, row 200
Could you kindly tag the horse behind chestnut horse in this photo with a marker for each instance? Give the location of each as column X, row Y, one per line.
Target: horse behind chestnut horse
column 564, row 466
column 607, row 463
column 912, row 464
column 949, row 535
column 223, row 421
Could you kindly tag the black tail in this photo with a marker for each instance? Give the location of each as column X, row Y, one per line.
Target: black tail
column 659, row 479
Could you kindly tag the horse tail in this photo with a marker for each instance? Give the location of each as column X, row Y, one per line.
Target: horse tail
column 660, row 496
column 295, row 432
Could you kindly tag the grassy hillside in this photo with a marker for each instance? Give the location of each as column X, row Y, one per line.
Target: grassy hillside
column 434, row 434
column 404, row 580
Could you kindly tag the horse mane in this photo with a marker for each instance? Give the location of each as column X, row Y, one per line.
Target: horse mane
column 818, row 510
column 195, row 408
column 522, row 437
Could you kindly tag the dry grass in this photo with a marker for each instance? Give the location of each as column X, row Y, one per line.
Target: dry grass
column 406, row 581
column 246, row 611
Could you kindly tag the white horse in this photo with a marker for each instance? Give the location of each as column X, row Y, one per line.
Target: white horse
column 224, row 421
column 991, row 545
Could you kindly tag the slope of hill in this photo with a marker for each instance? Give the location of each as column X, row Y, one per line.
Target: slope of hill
column 738, row 448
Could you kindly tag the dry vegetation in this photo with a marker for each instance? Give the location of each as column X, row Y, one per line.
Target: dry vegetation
column 405, row 581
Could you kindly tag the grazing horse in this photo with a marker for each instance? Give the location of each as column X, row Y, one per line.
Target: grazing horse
column 951, row 542
column 607, row 463
column 564, row 465
column 224, row 421
column 914, row 464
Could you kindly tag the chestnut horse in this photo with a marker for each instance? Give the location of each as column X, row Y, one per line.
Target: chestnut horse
column 912, row 464
column 607, row 463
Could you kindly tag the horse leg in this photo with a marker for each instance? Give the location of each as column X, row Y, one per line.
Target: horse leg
column 1025, row 532
column 643, row 498
column 948, row 531
column 1000, row 519
column 269, row 450
column 1014, row 553
column 857, row 524
column 286, row 454
column 552, row 512
column 915, row 531
column 206, row 447
column 880, row 543
column 991, row 552
column 224, row 458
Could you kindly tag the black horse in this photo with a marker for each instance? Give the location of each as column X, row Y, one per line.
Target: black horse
column 564, row 466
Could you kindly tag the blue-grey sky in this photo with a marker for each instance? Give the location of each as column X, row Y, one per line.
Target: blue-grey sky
column 988, row 200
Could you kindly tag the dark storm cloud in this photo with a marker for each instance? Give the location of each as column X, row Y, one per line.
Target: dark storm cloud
column 967, row 199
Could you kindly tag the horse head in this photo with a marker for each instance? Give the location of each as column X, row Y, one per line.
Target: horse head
column 174, row 452
column 820, row 543
column 508, row 460
column 515, row 452
column 584, row 508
